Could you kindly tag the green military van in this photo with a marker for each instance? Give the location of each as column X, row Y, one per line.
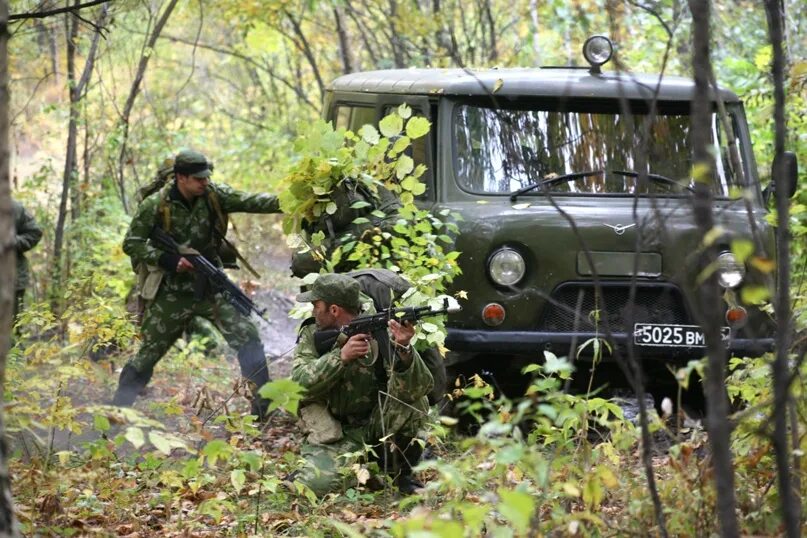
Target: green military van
column 576, row 200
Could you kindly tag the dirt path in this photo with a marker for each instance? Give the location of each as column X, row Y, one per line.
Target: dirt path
column 214, row 379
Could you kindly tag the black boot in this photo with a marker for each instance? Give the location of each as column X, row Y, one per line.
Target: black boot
column 130, row 384
column 407, row 453
column 254, row 369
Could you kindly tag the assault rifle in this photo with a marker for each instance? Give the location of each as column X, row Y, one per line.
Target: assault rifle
column 217, row 278
column 370, row 323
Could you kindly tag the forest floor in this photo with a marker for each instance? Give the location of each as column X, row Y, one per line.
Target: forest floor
column 195, row 396
column 215, row 390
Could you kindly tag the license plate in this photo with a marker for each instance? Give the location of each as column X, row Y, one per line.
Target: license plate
column 654, row 334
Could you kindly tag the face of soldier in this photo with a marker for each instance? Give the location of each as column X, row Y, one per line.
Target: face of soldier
column 324, row 315
column 191, row 186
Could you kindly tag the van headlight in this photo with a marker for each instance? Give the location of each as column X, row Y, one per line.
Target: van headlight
column 730, row 272
column 506, row 267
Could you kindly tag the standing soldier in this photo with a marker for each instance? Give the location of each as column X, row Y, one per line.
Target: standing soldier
column 354, row 395
column 193, row 211
column 27, row 235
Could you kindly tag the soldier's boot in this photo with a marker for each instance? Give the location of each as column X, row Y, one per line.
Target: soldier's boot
column 130, row 384
column 407, row 454
column 252, row 361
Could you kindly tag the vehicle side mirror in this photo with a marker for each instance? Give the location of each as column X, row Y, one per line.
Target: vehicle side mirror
column 785, row 172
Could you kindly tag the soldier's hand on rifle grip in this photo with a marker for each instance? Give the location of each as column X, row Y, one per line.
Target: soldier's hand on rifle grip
column 402, row 333
column 184, row 266
column 356, row 347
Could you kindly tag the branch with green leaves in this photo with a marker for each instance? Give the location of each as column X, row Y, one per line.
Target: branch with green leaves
column 351, row 201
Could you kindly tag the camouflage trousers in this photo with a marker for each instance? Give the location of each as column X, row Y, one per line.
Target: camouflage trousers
column 169, row 315
column 328, row 467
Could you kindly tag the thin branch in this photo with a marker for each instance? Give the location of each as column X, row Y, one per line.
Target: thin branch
column 193, row 50
column 31, row 97
column 654, row 14
column 88, row 66
column 43, row 14
column 251, row 61
column 304, row 47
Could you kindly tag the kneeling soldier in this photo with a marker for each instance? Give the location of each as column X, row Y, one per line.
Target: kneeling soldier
column 354, row 395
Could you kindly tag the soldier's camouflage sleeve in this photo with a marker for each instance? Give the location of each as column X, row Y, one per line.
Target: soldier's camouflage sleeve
column 412, row 383
column 318, row 374
column 136, row 244
column 235, row 201
column 28, row 233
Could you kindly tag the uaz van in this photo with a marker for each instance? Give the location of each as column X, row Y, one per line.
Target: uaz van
column 576, row 200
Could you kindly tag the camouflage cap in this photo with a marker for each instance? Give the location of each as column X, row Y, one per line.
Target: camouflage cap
column 335, row 289
column 192, row 163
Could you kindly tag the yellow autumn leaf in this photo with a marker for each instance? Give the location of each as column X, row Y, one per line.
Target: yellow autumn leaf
column 607, row 476
column 763, row 265
column 571, row 490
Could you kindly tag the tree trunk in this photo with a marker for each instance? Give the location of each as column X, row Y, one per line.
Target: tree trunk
column 134, row 91
column 345, row 48
column 493, row 53
column 395, row 41
column 8, row 267
column 75, row 91
column 781, row 376
column 71, row 32
column 708, row 293
column 303, row 45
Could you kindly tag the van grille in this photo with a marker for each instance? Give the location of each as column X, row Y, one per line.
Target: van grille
column 653, row 303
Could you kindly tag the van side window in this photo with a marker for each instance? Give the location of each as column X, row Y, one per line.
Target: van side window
column 362, row 115
column 353, row 117
column 342, row 117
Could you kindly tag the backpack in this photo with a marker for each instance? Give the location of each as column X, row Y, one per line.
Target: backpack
column 164, row 172
column 339, row 228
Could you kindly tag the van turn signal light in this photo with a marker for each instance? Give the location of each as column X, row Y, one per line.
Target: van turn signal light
column 493, row 314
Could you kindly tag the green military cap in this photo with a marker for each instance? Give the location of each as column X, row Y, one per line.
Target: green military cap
column 335, row 289
column 192, row 163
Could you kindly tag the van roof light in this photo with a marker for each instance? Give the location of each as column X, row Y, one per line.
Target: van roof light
column 597, row 50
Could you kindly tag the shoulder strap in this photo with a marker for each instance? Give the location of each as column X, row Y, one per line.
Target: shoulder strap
column 306, row 322
column 221, row 227
column 164, row 209
column 221, row 216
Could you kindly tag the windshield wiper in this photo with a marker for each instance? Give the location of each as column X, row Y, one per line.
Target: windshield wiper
column 655, row 177
column 556, row 179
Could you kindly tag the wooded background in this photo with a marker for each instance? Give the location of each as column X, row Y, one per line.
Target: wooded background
column 102, row 92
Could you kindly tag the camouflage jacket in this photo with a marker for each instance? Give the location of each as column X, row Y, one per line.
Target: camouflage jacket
column 351, row 392
column 191, row 225
column 27, row 235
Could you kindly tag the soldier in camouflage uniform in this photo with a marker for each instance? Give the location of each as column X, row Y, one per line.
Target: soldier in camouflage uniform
column 350, row 400
column 184, row 210
column 27, row 234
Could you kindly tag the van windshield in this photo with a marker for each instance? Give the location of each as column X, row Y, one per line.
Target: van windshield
column 499, row 151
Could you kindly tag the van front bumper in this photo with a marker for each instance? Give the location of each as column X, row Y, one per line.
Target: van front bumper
column 464, row 341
